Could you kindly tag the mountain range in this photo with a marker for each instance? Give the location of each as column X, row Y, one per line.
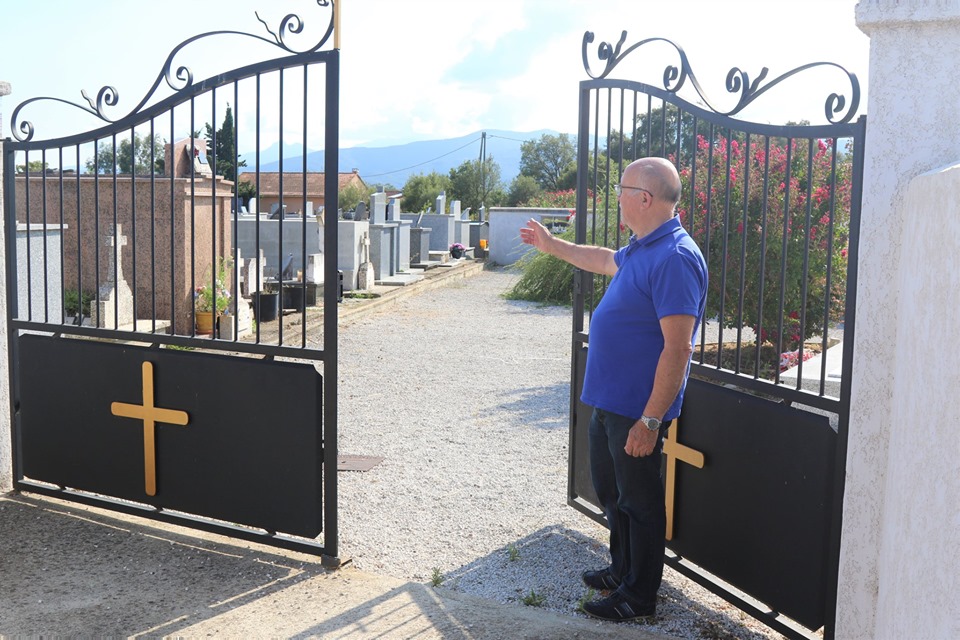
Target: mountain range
column 393, row 165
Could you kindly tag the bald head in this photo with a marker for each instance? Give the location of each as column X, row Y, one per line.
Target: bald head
column 657, row 174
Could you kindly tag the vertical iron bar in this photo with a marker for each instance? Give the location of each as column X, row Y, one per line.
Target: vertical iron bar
column 663, row 129
column 193, row 219
column 26, row 191
column 723, row 250
column 280, row 221
column 693, row 218
column 330, row 315
column 153, row 229
column 303, row 218
column 133, row 223
column 646, row 153
column 743, row 245
column 62, row 317
column 9, row 160
column 785, row 243
column 824, row 345
column 606, row 208
column 256, row 240
column 173, row 218
column 116, row 242
column 758, row 331
column 679, row 146
column 96, row 227
column 804, row 285
column 79, row 243
column 43, row 235
column 596, row 191
column 235, row 229
column 214, row 211
column 709, row 204
column 620, row 166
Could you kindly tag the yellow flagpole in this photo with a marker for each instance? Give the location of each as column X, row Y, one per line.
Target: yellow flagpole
column 336, row 24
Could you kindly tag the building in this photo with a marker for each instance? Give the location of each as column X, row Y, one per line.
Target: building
column 294, row 196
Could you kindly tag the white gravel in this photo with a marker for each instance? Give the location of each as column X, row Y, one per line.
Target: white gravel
column 466, row 397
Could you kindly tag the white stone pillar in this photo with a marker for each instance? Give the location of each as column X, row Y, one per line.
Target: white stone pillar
column 6, row 459
column 913, row 102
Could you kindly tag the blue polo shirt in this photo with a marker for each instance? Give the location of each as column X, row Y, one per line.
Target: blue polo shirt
column 661, row 274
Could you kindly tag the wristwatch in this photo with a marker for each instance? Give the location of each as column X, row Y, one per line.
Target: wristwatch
column 653, row 424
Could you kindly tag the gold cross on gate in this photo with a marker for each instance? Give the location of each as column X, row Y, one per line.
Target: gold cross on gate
column 150, row 416
column 676, row 451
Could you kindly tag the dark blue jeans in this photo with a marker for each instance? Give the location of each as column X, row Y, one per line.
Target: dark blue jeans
column 631, row 494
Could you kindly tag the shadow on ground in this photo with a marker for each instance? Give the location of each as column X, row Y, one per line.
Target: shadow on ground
column 77, row 571
column 520, row 564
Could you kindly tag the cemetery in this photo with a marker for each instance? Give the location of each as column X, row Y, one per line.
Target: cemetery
column 194, row 228
column 807, row 502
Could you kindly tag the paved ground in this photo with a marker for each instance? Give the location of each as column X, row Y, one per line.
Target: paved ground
column 71, row 570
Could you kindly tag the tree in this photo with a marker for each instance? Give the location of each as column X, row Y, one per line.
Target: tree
column 352, row 195
column 33, row 166
column 547, row 159
column 522, row 189
column 222, row 153
column 421, row 190
column 475, row 188
column 128, row 157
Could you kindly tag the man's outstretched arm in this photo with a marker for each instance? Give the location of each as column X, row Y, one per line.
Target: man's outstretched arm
column 583, row 256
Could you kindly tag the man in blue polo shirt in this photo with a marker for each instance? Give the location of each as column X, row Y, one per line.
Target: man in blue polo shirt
column 640, row 342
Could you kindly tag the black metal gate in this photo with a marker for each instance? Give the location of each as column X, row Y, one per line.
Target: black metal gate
column 754, row 467
column 153, row 369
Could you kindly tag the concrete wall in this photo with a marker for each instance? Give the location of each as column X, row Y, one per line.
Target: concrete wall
column 39, row 294
column 505, row 223
column 442, row 228
column 184, row 228
column 269, row 230
column 900, row 547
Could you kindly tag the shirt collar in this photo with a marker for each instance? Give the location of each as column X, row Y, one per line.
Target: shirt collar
column 667, row 228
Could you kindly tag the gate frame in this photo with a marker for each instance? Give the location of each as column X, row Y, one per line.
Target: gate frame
column 139, row 115
column 738, row 81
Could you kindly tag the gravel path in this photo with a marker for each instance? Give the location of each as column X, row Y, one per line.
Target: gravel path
column 465, row 395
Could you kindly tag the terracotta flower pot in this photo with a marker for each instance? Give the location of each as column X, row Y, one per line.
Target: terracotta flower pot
column 204, row 322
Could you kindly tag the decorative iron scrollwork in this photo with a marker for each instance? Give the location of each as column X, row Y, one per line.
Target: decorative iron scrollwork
column 737, row 81
column 180, row 79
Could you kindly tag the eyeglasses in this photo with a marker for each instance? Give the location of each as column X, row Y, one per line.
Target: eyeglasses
column 618, row 188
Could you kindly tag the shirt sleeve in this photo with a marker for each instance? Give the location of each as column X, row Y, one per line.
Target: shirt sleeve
column 677, row 286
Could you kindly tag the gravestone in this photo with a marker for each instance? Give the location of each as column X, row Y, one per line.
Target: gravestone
column 116, row 297
column 361, row 212
column 252, row 275
column 403, row 235
column 314, row 273
column 382, row 238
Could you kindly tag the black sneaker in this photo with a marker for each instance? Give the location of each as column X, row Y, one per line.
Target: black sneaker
column 600, row 580
column 616, row 608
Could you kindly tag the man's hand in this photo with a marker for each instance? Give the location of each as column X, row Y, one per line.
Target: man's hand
column 536, row 234
column 641, row 441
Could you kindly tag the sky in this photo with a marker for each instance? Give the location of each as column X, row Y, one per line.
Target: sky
column 427, row 69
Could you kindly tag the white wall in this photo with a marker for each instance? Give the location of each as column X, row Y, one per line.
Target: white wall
column 900, row 531
column 920, row 519
column 505, row 223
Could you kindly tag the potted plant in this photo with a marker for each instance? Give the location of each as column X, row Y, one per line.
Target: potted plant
column 211, row 300
column 457, row 249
